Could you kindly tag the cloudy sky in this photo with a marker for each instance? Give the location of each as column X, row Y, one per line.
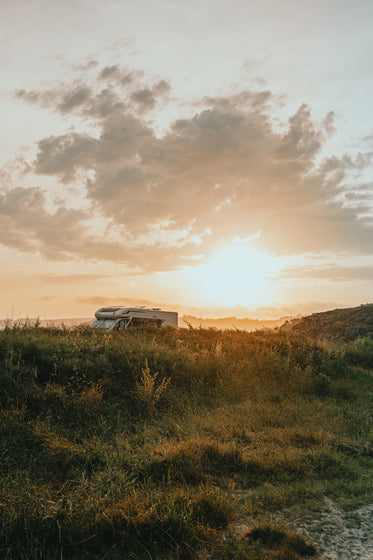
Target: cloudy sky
column 205, row 157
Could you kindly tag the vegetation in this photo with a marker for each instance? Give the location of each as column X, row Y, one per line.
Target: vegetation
column 338, row 324
column 177, row 444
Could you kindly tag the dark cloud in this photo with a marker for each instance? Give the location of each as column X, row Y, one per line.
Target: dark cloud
column 109, row 71
column 26, row 225
column 302, row 141
column 64, row 99
column 43, row 98
column 117, row 74
column 241, row 100
column 226, row 169
column 162, row 87
column 63, row 155
column 144, row 98
column 362, row 192
column 74, row 99
column 347, row 162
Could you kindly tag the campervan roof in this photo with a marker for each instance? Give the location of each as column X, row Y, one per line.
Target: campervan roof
column 114, row 308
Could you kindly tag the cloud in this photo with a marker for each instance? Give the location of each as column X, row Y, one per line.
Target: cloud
column 88, row 65
column 63, row 235
column 100, row 301
column 63, row 155
column 74, row 98
column 144, row 99
column 333, row 273
column 74, row 279
column 328, row 123
column 109, row 72
column 271, row 179
column 363, row 192
column 119, row 75
column 26, row 225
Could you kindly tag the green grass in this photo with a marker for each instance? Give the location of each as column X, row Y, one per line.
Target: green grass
column 160, row 444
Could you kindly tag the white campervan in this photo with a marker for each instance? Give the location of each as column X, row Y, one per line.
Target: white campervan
column 121, row 318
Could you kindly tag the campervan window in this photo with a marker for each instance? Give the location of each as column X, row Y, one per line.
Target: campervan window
column 122, row 324
column 103, row 323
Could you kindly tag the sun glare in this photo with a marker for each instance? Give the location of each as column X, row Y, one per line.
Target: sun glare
column 236, row 275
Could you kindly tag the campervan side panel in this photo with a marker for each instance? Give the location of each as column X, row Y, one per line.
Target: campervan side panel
column 168, row 318
column 139, row 315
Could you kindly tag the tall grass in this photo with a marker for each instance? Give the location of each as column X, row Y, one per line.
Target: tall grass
column 159, row 443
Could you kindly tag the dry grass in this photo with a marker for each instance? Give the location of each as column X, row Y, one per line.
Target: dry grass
column 156, row 444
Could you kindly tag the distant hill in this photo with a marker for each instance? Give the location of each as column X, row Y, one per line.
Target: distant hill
column 247, row 323
column 338, row 324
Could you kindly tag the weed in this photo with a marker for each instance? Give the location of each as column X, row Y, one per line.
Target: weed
column 148, row 391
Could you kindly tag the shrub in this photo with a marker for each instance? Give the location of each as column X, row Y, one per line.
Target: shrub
column 147, row 391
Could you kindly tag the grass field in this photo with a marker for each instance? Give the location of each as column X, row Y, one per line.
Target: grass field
column 177, row 443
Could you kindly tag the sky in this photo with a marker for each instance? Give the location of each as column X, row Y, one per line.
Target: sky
column 209, row 158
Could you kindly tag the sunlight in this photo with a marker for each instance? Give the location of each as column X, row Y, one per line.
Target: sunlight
column 236, row 275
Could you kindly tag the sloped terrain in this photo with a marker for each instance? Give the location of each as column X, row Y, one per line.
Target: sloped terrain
column 338, row 324
column 183, row 444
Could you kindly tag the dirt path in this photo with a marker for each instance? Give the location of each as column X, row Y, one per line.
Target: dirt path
column 338, row 535
column 341, row 535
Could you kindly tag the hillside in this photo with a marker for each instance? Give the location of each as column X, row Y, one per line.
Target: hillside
column 338, row 324
column 182, row 444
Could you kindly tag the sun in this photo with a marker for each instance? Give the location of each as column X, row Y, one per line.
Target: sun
column 236, row 275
